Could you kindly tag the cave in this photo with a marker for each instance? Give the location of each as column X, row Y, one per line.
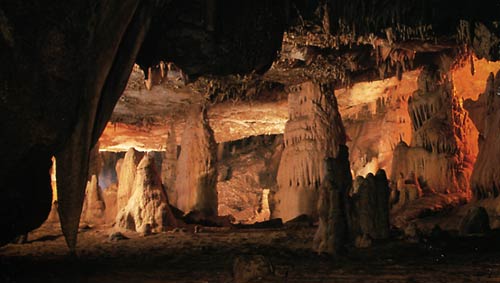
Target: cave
column 250, row 141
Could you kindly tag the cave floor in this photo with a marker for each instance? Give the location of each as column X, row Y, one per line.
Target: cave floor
column 208, row 256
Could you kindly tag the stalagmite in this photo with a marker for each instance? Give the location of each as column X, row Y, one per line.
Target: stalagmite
column 93, row 207
column 169, row 164
column 331, row 235
column 310, row 136
column 369, row 206
column 332, row 180
column 126, row 177
column 196, row 177
column 148, row 206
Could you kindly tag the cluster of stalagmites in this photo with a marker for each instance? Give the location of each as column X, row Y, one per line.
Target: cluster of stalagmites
column 441, row 154
column 142, row 199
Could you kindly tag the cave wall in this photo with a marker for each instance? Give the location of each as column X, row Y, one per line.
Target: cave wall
column 443, row 148
column 485, row 181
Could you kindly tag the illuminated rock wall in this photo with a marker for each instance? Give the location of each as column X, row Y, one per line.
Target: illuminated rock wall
column 443, row 149
column 485, row 179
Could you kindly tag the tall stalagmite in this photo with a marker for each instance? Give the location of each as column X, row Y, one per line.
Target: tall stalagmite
column 93, row 207
column 485, row 179
column 126, row 177
column 169, row 163
column 148, row 206
column 313, row 132
column 196, row 177
column 336, row 180
column 443, row 149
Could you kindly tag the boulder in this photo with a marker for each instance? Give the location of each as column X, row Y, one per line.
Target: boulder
column 251, row 268
column 476, row 221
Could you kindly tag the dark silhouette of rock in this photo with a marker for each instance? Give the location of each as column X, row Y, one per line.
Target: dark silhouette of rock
column 476, row 221
column 369, row 206
column 251, row 268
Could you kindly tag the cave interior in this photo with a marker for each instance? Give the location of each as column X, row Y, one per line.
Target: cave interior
column 250, row 141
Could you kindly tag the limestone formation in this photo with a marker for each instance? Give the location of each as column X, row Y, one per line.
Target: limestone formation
column 126, row 177
column 169, row 163
column 369, row 206
column 485, row 179
column 312, row 133
column 93, row 206
column 148, row 206
column 196, row 177
column 331, row 235
column 109, row 197
column 442, row 151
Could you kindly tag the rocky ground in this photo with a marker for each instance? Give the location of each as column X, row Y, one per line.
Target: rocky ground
column 208, row 256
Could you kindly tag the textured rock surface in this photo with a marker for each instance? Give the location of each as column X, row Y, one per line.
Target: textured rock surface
column 485, row 179
column 126, row 177
column 442, row 150
column 252, row 164
column 331, row 235
column 196, row 177
column 369, row 206
column 148, row 205
column 251, row 268
column 169, row 162
column 313, row 132
column 332, row 232
column 93, row 207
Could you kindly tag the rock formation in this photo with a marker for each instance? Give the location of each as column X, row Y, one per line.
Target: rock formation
column 442, row 151
column 327, row 130
column 169, row 163
column 311, row 135
column 196, row 177
column 485, row 179
column 148, row 206
column 93, row 207
column 332, row 232
column 476, row 221
column 369, row 206
column 126, row 177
